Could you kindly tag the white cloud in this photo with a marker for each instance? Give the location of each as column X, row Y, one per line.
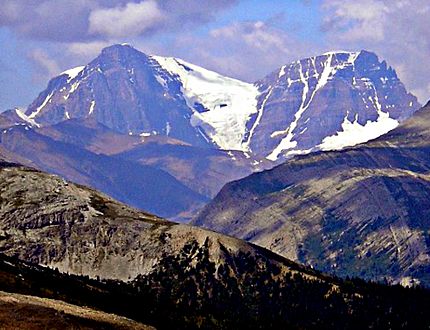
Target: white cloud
column 125, row 21
column 86, row 50
column 46, row 65
column 244, row 50
column 397, row 30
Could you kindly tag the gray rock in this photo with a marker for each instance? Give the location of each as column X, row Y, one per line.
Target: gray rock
column 362, row 211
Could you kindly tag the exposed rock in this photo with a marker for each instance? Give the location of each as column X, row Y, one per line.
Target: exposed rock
column 167, row 274
column 362, row 211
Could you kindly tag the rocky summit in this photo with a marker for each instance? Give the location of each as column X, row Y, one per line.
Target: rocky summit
column 324, row 102
column 327, row 102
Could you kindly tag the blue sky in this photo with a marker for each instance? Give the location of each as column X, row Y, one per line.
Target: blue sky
column 244, row 39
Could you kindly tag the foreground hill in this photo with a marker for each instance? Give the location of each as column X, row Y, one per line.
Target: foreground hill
column 28, row 312
column 167, row 274
column 364, row 211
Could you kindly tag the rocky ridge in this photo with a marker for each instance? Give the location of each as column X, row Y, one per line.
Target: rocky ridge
column 362, row 211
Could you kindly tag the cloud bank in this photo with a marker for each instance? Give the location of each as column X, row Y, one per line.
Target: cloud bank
column 73, row 32
column 397, row 30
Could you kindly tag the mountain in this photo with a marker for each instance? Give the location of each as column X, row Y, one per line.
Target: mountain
column 117, row 259
column 319, row 103
column 144, row 172
column 362, row 211
column 327, row 102
column 134, row 93
column 139, row 185
column 188, row 164
column 127, row 121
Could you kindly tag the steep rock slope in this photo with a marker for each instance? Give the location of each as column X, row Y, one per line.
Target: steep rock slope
column 324, row 102
column 134, row 93
column 48, row 221
column 362, row 211
column 171, row 275
column 327, row 102
column 122, row 89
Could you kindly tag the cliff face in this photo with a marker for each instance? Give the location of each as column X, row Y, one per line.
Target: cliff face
column 362, row 211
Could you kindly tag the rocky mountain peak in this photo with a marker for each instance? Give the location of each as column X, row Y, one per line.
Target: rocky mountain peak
column 120, row 55
column 327, row 102
column 323, row 102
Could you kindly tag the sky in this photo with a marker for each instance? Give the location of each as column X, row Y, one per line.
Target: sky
column 244, row 39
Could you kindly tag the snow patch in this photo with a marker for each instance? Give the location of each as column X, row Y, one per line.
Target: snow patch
column 282, row 71
column 161, row 81
column 27, row 119
column 287, row 142
column 145, row 134
column 92, row 106
column 331, row 65
column 259, row 115
column 73, row 73
column 353, row 133
column 229, row 102
column 45, row 102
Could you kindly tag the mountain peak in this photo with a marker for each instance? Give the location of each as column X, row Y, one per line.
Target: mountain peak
column 291, row 111
column 335, row 100
column 118, row 47
column 122, row 53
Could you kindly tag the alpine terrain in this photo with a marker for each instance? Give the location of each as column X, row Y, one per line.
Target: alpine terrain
column 351, row 93
column 361, row 211
column 165, row 135
column 114, row 258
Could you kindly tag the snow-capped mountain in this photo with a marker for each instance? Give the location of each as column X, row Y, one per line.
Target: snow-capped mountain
column 327, row 102
column 137, row 94
column 324, row 102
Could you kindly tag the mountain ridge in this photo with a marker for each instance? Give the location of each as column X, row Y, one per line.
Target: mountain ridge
column 361, row 211
column 209, row 110
column 131, row 263
column 129, row 110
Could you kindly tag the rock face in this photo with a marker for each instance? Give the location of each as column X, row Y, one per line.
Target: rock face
column 327, row 102
column 362, row 211
column 122, row 89
column 324, row 102
column 48, row 221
